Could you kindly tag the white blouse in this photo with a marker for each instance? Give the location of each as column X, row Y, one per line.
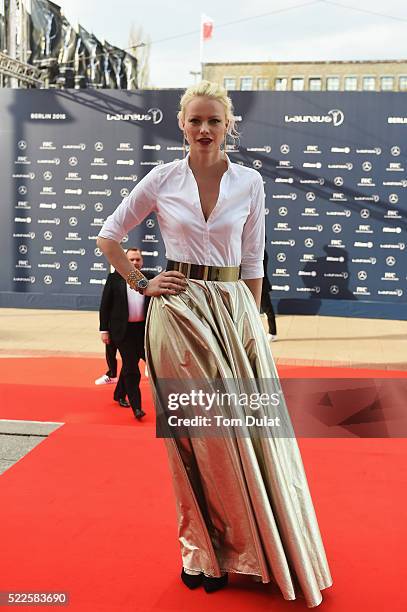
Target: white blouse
column 234, row 233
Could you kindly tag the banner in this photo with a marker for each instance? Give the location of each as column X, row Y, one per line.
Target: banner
column 113, row 66
column 130, row 72
column 334, row 172
column 66, row 57
column 93, row 58
column 46, row 31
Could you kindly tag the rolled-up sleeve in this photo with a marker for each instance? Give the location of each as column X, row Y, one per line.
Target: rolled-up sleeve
column 254, row 234
column 134, row 208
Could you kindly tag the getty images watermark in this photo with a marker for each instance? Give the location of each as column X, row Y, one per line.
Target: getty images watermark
column 276, row 408
column 220, row 407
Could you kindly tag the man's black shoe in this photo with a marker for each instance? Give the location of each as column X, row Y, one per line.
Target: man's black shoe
column 139, row 413
column 123, row 403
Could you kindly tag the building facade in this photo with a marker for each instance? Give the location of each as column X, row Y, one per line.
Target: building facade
column 383, row 75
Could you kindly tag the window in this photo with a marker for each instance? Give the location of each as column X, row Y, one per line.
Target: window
column 403, row 83
column 246, row 83
column 332, row 84
column 297, row 84
column 262, row 84
column 229, row 83
column 281, row 84
column 351, row 83
column 387, row 83
column 315, row 84
column 369, row 83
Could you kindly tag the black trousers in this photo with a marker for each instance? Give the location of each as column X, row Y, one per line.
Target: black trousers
column 110, row 351
column 267, row 307
column 131, row 349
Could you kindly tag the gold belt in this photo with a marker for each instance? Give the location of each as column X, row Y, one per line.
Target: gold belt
column 208, row 273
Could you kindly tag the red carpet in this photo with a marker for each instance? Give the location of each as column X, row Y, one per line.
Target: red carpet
column 90, row 511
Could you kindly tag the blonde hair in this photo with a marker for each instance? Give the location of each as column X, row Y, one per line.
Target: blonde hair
column 210, row 90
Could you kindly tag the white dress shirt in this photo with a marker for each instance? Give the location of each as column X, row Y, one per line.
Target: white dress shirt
column 234, row 233
column 135, row 302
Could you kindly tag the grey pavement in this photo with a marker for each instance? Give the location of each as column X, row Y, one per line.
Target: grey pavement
column 17, row 438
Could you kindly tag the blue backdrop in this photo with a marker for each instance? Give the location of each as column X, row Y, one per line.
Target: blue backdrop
column 334, row 167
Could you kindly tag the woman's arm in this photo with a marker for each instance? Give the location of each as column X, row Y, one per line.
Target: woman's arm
column 164, row 283
column 255, row 285
column 115, row 255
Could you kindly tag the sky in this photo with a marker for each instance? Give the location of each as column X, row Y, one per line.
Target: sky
column 247, row 30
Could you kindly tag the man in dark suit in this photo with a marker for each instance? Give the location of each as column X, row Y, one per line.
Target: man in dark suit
column 122, row 315
column 266, row 304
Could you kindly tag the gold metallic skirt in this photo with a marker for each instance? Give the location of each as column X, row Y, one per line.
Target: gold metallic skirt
column 243, row 503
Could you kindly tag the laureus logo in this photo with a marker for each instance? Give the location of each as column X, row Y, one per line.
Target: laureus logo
column 334, row 116
column 156, row 114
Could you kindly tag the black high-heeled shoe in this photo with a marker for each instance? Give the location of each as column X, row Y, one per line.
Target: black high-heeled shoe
column 214, row 584
column 192, row 581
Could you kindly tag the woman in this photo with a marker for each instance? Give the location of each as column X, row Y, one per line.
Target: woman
column 243, row 502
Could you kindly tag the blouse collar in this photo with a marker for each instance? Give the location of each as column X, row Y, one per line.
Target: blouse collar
column 186, row 166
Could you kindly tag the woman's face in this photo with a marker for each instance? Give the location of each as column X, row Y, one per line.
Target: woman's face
column 204, row 124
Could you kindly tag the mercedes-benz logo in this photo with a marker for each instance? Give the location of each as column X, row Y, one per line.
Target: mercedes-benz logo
column 393, row 198
column 23, row 249
column 310, row 195
column 98, row 252
column 282, row 211
column 22, row 190
column 98, row 146
column 47, row 279
column 364, row 213
column 73, row 265
column 285, row 148
column 150, row 223
column 22, row 145
column 281, row 257
column 73, row 221
column 337, row 228
column 257, row 164
column 390, row 260
column 47, row 175
column 124, row 192
column 73, row 161
column 338, row 180
column 334, row 289
column 309, row 243
column 367, row 166
column 98, row 207
column 395, row 151
column 362, row 275
column 48, row 235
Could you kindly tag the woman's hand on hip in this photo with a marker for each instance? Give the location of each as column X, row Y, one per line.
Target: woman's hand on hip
column 171, row 283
